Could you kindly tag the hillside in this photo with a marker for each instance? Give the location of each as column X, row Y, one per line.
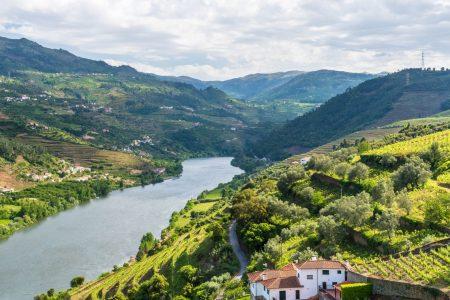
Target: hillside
column 297, row 86
column 313, row 87
column 23, row 54
column 373, row 103
column 345, row 205
column 250, row 86
column 164, row 119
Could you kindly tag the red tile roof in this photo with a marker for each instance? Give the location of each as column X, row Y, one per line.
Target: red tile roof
column 321, row 264
column 277, row 279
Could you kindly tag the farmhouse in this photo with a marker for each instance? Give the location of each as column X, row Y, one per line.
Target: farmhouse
column 297, row 281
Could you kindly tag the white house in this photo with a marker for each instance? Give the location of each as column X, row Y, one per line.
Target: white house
column 305, row 160
column 296, row 281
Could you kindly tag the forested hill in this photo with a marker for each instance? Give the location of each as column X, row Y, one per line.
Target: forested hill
column 403, row 95
column 23, row 54
column 251, row 86
column 314, row 87
column 297, row 86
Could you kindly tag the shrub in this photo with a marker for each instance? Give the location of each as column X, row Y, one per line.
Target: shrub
column 388, row 160
column 155, row 288
column 383, row 192
column 359, row 172
column 76, row 281
column 438, row 210
column 433, row 156
column 292, row 175
column 360, row 291
column 413, row 174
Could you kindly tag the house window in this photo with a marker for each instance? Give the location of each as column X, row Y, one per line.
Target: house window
column 334, row 283
column 325, row 272
column 297, row 294
column 339, row 271
column 309, row 276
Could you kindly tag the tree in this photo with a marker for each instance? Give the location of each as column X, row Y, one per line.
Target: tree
column 154, row 289
column 359, row 172
column 305, row 195
column 330, row 229
column 387, row 221
column 274, row 249
column 383, row 192
column 404, row 202
column 413, row 174
column 51, row 292
column 363, row 146
column 353, row 210
column 189, row 273
column 287, row 210
column 148, row 243
column 292, row 175
column 388, row 160
column 320, row 162
column 433, row 156
column 256, row 235
column 306, row 254
column 76, row 281
column 248, row 207
column 437, row 210
column 342, row 169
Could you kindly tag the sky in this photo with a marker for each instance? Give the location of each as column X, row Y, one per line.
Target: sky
column 216, row 40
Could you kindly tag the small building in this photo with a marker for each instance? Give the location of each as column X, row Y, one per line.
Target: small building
column 305, row 160
column 297, row 281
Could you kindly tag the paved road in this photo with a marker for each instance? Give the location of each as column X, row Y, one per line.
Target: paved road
column 243, row 261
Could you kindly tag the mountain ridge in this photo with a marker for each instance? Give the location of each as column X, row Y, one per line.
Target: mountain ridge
column 373, row 103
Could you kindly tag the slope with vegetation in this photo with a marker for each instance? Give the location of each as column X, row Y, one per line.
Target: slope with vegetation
column 348, row 205
column 192, row 259
column 373, row 103
column 345, row 205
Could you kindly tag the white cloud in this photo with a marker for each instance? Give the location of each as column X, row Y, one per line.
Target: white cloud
column 222, row 39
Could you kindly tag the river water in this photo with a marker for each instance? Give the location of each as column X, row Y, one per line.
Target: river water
column 89, row 239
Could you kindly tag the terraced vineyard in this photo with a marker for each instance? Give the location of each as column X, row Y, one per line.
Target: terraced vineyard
column 415, row 146
column 187, row 240
column 431, row 268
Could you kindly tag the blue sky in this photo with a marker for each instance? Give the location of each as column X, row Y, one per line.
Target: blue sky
column 225, row 39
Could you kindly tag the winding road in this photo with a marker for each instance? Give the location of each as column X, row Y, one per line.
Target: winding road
column 234, row 241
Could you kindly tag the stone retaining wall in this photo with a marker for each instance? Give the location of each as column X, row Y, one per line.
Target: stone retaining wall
column 392, row 289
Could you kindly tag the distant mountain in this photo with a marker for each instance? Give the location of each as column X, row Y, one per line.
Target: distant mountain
column 295, row 86
column 248, row 87
column 403, row 95
column 314, row 87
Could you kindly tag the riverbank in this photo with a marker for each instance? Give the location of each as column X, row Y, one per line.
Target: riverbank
column 89, row 239
column 28, row 207
column 193, row 255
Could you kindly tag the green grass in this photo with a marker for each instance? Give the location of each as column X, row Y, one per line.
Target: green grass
column 212, row 195
column 4, row 222
column 203, row 207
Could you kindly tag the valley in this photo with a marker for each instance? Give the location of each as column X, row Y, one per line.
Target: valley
column 341, row 168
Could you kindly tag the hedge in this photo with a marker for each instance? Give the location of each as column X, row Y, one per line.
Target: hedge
column 356, row 291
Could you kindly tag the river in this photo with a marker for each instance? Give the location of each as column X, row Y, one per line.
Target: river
column 89, row 239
